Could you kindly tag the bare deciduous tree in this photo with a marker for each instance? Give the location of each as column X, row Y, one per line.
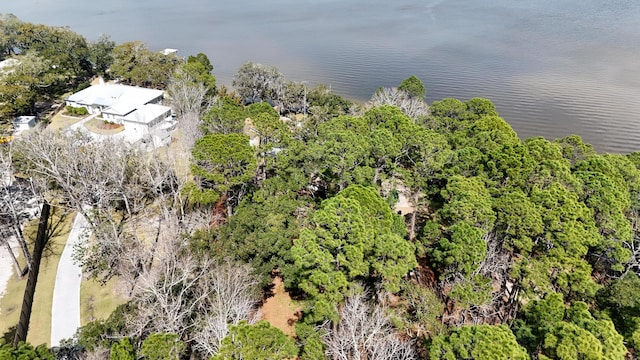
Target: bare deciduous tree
column 184, row 294
column 107, row 181
column 169, row 294
column 134, row 206
column 17, row 205
column 186, row 94
column 415, row 108
column 234, row 299
column 364, row 333
column 188, row 100
column 190, row 128
column 294, row 98
column 99, row 353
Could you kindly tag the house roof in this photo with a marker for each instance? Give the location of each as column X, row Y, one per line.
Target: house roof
column 23, row 119
column 111, row 95
column 147, row 113
column 122, row 108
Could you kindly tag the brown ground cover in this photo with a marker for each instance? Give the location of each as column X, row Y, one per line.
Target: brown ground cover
column 280, row 310
column 99, row 126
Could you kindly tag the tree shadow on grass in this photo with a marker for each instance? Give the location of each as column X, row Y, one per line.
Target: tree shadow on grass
column 9, row 334
column 57, row 225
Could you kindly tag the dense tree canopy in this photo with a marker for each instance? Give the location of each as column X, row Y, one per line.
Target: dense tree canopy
column 572, row 332
column 413, row 86
column 135, row 64
column 24, row 351
column 223, row 164
column 44, row 62
column 433, row 230
column 354, row 236
column 477, row 342
column 256, row 342
column 257, row 82
column 499, row 221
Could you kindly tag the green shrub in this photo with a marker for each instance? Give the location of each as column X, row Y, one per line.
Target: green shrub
column 81, row 111
column 103, row 333
column 162, row 347
column 259, row 341
column 122, row 350
column 24, row 351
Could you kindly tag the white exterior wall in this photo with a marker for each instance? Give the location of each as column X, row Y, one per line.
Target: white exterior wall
column 112, row 117
column 20, row 125
column 95, row 109
column 151, row 124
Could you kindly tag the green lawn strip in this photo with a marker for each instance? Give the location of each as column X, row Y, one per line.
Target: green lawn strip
column 11, row 302
column 97, row 301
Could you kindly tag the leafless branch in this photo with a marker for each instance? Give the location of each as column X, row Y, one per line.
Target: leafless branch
column 364, row 332
column 413, row 107
column 183, row 294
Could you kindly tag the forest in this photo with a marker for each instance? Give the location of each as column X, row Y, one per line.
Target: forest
column 401, row 229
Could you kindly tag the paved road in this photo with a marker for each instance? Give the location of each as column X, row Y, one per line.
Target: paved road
column 65, row 310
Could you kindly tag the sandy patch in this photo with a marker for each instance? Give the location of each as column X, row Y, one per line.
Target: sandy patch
column 404, row 206
column 279, row 310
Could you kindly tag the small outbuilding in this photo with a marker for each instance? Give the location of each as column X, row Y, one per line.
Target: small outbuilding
column 22, row 123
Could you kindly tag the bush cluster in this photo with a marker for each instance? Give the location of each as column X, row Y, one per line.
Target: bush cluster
column 81, row 111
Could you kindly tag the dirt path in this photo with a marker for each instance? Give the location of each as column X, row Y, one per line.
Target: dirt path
column 279, row 310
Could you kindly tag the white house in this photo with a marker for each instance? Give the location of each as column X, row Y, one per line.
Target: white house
column 134, row 107
column 148, row 116
column 22, row 123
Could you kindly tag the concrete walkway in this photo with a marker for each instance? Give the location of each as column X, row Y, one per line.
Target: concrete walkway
column 79, row 124
column 65, row 309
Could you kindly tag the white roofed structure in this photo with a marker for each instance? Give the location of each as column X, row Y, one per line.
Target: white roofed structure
column 22, row 123
column 149, row 115
column 116, row 99
column 138, row 109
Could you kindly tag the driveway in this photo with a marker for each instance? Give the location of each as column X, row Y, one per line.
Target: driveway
column 65, row 308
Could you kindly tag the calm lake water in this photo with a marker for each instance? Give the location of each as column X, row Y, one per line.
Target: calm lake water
column 552, row 67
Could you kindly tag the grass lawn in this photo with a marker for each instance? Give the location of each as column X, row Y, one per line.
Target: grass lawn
column 94, row 124
column 98, row 301
column 11, row 303
column 59, row 121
